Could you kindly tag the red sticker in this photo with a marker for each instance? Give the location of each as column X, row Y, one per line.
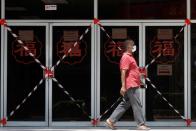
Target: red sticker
column 94, row 122
column 3, row 121
column 96, row 21
column 187, row 21
column 188, row 122
column 49, row 73
column 3, row 21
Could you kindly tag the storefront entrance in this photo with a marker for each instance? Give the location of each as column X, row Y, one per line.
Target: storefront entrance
column 87, row 80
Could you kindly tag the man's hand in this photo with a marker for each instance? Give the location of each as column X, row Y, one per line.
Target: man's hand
column 123, row 90
column 143, row 72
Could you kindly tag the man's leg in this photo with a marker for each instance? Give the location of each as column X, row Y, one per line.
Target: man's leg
column 133, row 95
column 120, row 110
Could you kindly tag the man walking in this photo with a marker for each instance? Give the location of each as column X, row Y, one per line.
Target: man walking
column 130, row 79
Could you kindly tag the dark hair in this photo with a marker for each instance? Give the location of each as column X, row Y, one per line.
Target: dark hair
column 129, row 41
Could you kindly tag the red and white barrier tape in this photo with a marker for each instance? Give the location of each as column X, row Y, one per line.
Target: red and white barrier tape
column 188, row 121
column 70, row 49
column 4, row 23
column 70, row 97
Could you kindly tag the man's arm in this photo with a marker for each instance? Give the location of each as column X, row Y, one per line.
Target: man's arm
column 123, row 82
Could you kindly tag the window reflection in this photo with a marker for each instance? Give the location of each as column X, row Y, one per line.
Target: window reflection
column 142, row 9
column 110, row 72
column 23, row 74
column 167, row 73
column 74, row 73
column 49, row 9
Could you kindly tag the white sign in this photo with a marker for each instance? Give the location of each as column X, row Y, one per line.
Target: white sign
column 164, row 70
column 26, row 35
column 50, row 7
column 165, row 34
column 119, row 33
column 70, row 35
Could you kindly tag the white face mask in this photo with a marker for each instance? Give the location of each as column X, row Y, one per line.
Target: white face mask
column 134, row 48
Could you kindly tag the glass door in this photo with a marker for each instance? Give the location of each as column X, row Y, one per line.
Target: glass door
column 108, row 56
column 25, row 90
column 67, row 98
column 168, row 73
column 71, row 92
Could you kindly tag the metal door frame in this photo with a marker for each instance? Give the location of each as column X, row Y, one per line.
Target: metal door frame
column 2, row 68
column 24, row 123
column 93, row 49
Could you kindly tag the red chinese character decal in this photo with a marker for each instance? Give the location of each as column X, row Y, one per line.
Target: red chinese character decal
column 169, row 50
column 112, row 52
column 65, row 46
column 22, row 56
column 77, row 53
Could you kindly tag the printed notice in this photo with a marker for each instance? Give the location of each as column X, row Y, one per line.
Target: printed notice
column 164, row 70
column 165, row 34
column 26, row 35
column 70, row 35
column 119, row 33
column 50, row 7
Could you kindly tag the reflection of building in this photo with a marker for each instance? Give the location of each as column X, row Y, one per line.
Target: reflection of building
column 90, row 72
column 152, row 10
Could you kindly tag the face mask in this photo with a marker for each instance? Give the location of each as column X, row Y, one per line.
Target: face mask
column 134, row 48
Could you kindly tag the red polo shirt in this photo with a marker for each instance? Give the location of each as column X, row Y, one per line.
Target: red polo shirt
column 132, row 77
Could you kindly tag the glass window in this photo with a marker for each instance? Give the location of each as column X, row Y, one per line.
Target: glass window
column 167, row 73
column 193, row 9
column 49, row 9
column 23, row 74
column 110, row 71
column 142, row 9
column 193, row 71
column 74, row 73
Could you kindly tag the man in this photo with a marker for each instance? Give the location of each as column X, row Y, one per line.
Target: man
column 130, row 79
